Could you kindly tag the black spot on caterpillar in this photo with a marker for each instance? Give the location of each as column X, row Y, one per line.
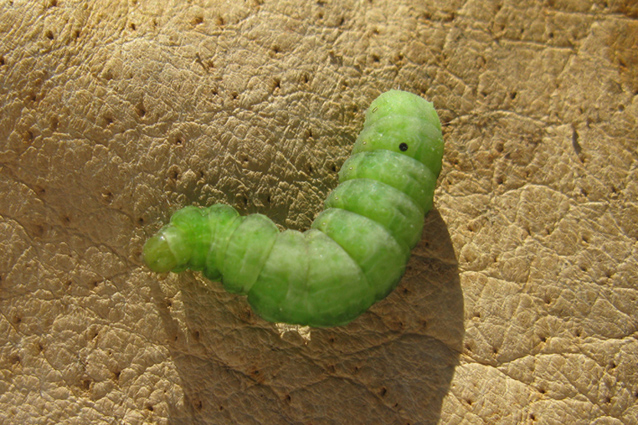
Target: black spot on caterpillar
column 357, row 248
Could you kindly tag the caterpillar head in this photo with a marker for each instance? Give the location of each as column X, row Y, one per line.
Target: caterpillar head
column 167, row 250
column 173, row 247
column 405, row 123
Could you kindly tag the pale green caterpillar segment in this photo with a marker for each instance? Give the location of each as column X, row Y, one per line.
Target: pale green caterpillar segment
column 381, row 258
column 190, row 221
column 309, row 279
column 168, row 250
column 221, row 220
column 357, row 249
column 389, row 207
column 179, row 245
column 399, row 171
column 402, row 104
column 191, row 240
column 279, row 293
column 247, row 250
column 404, row 123
column 336, row 295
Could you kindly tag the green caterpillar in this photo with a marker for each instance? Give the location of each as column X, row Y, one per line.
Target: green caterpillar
column 356, row 250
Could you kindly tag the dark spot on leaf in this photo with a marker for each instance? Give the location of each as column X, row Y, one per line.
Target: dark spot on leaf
column 577, row 148
column 38, row 230
column 85, row 384
column 174, row 172
column 140, row 109
column 28, row 136
column 107, row 197
column 108, row 74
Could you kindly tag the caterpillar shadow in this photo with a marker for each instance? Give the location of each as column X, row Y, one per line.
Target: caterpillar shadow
column 392, row 365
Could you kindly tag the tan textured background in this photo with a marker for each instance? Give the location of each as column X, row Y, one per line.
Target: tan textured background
column 519, row 305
